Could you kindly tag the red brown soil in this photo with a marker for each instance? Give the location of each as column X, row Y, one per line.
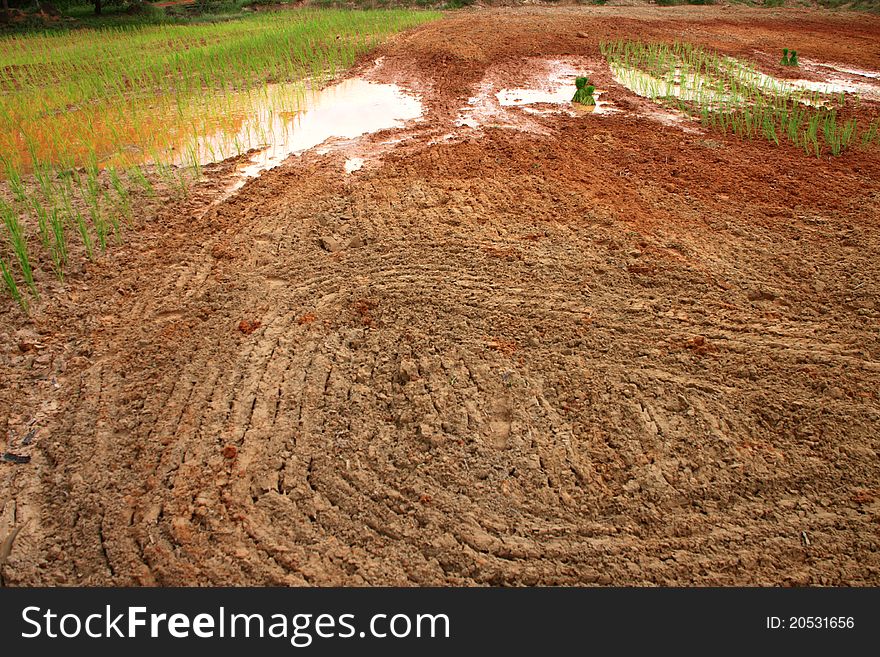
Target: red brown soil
column 613, row 353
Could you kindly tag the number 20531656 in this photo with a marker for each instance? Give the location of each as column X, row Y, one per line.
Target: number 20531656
column 811, row 623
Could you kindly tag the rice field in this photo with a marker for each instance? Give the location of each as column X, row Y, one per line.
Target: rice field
column 733, row 96
column 88, row 116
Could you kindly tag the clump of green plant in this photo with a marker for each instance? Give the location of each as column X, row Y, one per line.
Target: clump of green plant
column 584, row 93
column 789, row 58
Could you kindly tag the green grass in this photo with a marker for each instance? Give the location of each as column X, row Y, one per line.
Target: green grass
column 88, row 114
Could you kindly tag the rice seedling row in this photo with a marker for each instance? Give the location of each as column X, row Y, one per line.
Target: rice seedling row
column 733, row 96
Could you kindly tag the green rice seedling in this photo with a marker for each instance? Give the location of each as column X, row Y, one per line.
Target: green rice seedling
column 165, row 172
column 785, row 61
column 829, row 129
column 194, row 162
column 872, row 133
column 793, row 59
column 46, row 182
column 812, row 134
column 59, row 246
column 136, row 175
column 11, row 286
column 76, row 217
column 42, row 222
column 838, row 137
column 83, row 229
column 91, row 192
column 51, row 235
column 13, row 177
column 18, row 242
column 181, row 182
column 123, row 200
column 768, row 129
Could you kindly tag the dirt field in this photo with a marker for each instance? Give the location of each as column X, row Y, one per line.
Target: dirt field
column 596, row 350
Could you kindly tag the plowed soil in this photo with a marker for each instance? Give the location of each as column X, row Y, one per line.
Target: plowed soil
column 603, row 350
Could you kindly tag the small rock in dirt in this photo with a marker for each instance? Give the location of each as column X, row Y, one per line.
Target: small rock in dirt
column 747, row 372
column 835, row 393
column 761, row 294
column 18, row 459
column 699, row 345
column 29, row 437
column 248, row 326
column 356, row 242
column 429, row 435
column 409, row 371
column 583, row 35
column 230, row 451
column 677, row 405
column 452, row 428
column 330, row 243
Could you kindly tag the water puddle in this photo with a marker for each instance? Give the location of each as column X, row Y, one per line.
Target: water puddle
column 873, row 75
column 848, row 79
column 551, row 93
column 353, row 164
column 561, row 97
column 344, row 111
column 784, row 87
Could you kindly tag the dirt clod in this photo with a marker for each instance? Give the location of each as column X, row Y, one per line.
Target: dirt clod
column 248, row 326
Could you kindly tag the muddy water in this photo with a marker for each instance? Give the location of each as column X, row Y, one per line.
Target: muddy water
column 550, row 93
column 343, row 111
column 270, row 123
column 561, row 96
column 690, row 87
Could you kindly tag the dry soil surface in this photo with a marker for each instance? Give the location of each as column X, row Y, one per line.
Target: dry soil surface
column 598, row 350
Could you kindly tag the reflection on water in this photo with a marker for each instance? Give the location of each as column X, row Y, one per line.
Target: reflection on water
column 550, row 94
column 740, row 87
column 685, row 86
column 344, row 111
column 562, row 93
column 271, row 123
